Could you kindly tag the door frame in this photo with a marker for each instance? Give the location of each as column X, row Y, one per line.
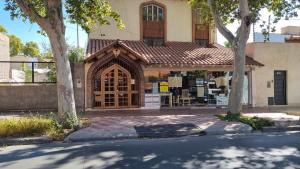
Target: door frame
column 285, row 86
column 116, row 92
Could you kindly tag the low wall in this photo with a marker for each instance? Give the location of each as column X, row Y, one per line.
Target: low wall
column 39, row 97
column 28, row 97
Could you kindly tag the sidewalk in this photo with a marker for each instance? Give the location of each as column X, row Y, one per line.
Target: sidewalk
column 124, row 127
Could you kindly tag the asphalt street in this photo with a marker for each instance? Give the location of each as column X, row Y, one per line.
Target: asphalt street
column 268, row 150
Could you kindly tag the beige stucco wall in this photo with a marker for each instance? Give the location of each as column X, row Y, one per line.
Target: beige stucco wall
column 4, row 56
column 275, row 56
column 290, row 30
column 87, row 67
column 179, row 21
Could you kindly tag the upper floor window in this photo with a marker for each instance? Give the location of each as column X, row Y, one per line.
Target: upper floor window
column 153, row 12
column 153, row 24
column 201, row 30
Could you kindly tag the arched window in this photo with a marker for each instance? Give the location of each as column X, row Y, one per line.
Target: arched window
column 153, row 12
column 153, row 24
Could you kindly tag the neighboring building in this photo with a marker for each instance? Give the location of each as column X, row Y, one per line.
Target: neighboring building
column 4, row 56
column 288, row 34
column 163, row 58
column 274, row 37
column 277, row 82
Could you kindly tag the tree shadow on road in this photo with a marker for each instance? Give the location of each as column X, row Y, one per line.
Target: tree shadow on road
column 264, row 151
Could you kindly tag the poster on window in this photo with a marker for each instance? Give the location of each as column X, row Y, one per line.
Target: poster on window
column 164, row 87
column 222, row 100
column 175, row 81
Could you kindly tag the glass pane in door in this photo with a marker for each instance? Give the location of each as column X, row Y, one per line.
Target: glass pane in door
column 123, row 87
column 109, row 86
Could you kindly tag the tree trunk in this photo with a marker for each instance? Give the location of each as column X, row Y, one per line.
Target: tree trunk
column 239, row 43
column 65, row 92
column 236, row 93
column 53, row 25
column 239, row 48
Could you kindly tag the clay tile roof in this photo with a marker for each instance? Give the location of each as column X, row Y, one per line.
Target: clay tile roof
column 174, row 53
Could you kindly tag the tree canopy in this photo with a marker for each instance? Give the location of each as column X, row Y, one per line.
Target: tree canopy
column 3, row 30
column 228, row 11
column 31, row 49
column 76, row 54
column 86, row 13
column 15, row 45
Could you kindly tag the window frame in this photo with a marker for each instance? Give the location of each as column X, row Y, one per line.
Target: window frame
column 152, row 6
column 161, row 8
column 202, row 42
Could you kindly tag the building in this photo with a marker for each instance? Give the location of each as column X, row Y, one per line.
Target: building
column 274, row 37
column 287, row 34
column 162, row 58
column 4, row 56
column 277, row 82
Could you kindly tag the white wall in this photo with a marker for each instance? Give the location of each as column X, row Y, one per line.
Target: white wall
column 179, row 21
column 4, row 56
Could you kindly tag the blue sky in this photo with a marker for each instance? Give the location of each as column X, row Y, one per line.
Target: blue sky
column 28, row 32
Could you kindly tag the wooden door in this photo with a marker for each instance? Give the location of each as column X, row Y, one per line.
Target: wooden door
column 116, row 87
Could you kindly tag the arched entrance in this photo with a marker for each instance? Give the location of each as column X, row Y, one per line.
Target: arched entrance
column 115, row 78
column 116, row 87
column 116, row 83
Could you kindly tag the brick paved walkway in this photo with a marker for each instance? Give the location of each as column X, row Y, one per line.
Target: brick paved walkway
column 118, row 125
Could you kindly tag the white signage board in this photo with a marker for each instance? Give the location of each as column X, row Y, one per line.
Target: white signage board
column 222, row 100
column 152, row 100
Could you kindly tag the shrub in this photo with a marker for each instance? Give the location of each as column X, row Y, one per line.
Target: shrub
column 255, row 122
column 25, row 126
column 66, row 121
column 56, row 132
column 35, row 125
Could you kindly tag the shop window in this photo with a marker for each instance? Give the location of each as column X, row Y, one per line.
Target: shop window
column 189, row 88
column 153, row 25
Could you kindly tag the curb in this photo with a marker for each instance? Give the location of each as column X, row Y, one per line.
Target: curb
column 199, row 134
column 74, row 140
column 25, row 141
column 281, row 129
column 213, row 133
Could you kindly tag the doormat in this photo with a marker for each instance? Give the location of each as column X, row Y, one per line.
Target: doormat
column 168, row 130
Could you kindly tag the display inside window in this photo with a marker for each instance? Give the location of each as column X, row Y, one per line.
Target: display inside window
column 191, row 88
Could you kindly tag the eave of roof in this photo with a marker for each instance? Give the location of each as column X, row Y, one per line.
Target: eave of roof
column 172, row 54
column 114, row 44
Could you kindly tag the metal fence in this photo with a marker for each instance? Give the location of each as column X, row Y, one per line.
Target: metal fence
column 27, row 72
